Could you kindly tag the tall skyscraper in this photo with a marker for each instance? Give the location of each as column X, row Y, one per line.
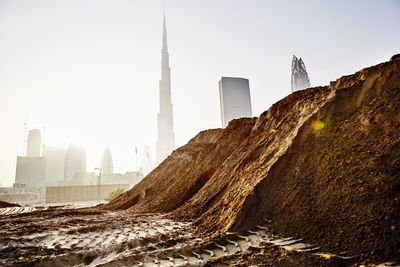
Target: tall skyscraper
column 30, row 171
column 75, row 162
column 107, row 164
column 34, row 143
column 166, row 137
column 234, row 94
column 300, row 79
column 55, row 159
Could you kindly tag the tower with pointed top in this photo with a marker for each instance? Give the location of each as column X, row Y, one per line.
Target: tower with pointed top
column 165, row 131
column 300, row 79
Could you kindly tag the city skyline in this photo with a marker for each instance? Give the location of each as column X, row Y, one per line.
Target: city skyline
column 89, row 72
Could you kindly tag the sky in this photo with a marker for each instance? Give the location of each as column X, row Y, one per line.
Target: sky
column 87, row 72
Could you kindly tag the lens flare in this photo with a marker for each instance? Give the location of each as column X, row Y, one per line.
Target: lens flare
column 317, row 125
column 273, row 130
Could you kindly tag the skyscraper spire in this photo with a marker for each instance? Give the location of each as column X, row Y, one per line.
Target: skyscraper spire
column 300, row 79
column 166, row 137
column 164, row 51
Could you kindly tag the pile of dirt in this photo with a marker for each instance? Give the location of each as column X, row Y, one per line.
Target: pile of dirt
column 185, row 171
column 4, row 204
column 322, row 164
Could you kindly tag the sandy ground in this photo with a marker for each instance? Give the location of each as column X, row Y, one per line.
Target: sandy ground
column 63, row 236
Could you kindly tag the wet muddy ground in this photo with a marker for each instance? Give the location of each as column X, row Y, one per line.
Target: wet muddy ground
column 62, row 236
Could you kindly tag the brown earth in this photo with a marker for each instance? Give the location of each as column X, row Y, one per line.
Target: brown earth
column 270, row 255
column 66, row 236
column 4, row 204
column 322, row 164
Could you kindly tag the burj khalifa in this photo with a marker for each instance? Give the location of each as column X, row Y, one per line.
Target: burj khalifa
column 165, row 135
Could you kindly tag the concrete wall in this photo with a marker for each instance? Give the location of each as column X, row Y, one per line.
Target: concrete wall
column 31, row 195
column 80, row 193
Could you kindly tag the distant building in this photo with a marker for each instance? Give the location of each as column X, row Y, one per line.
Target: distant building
column 165, row 131
column 34, row 143
column 30, row 171
column 55, row 159
column 235, row 100
column 130, row 178
column 85, row 178
column 75, row 162
column 300, row 79
column 60, row 176
column 107, row 165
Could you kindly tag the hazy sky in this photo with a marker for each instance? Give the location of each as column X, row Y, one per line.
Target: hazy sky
column 88, row 70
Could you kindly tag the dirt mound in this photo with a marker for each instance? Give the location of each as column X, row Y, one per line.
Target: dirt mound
column 4, row 204
column 340, row 185
column 322, row 164
column 185, row 171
